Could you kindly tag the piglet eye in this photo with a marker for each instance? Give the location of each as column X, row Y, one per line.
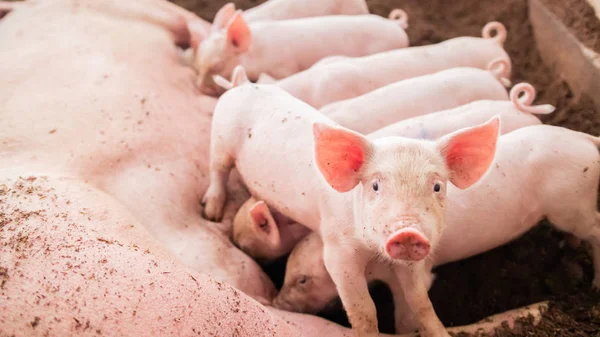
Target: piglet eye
column 437, row 187
column 302, row 279
column 375, row 186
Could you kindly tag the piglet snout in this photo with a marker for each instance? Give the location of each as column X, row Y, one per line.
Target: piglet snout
column 407, row 244
column 280, row 303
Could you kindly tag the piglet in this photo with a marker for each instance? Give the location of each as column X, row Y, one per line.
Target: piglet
column 282, row 48
column 295, row 9
column 507, row 203
column 265, row 234
column 384, row 197
column 418, row 96
column 256, row 232
column 238, row 77
column 337, row 80
column 308, row 288
column 515, row 114
column 540, row 171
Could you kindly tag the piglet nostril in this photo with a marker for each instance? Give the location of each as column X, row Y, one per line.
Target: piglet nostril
column 407, row 244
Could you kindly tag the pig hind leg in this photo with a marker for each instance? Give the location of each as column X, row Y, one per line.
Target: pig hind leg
column 596, row 259
column 214, row 199
column 584, row 223
column 595, row 242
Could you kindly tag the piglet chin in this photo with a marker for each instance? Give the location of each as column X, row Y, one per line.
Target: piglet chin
column 280, row 303
column 407, row 244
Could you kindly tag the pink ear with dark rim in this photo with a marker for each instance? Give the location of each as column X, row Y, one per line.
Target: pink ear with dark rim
column 264, row 224
column 238, row 33
column 340, row 155
column 470, row 152
column 223, row 16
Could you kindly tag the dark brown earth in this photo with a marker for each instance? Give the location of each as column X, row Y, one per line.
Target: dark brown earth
column 539, row 266
column 580, row 18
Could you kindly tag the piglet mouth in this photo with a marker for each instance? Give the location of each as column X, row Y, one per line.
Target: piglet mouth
column 280, row 303
column 407, row 244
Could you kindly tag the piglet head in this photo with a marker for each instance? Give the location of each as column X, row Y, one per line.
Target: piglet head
column 399, row 184
column 218, row 53
column 307, row 286
column 255, row 230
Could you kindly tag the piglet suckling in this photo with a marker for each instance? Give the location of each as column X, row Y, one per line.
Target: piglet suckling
column 308, row 288
column 383, row 197
column 255, row 232
column 344, row 78
column 278, row 10
column 263, row 233
column 418, row 96
column 282, row 48
column 295, row 9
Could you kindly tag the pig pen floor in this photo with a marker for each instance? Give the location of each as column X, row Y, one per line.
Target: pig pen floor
column 540, row 265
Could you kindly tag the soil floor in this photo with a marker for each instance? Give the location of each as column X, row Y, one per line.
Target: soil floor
column 540, row 265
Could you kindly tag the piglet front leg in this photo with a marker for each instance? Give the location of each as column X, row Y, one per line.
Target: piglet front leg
column 405, row 319
column 414, row 280
column 221, row 164
column 346, row 264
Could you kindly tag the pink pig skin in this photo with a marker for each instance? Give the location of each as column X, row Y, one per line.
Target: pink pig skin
column 515, row 114
column 114, row 265
column 414, row 97
column 345, row 78
column 268, row 237
column 308, row 288
column 566, row 193
column 540, row 171
column 283, row 48
column 276, row 10
column 267, row 134
column 295, row 9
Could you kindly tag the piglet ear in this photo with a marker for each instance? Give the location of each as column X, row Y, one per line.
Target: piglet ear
column 469, row 152
column 264, row 225
column 222, row 82
column 340, row 154
column 238, row 33
column 239, row 76
column 223, row 16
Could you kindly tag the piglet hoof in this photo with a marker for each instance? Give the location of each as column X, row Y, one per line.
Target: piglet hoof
column 407, row 244
column 213, row 202
column 436, row 330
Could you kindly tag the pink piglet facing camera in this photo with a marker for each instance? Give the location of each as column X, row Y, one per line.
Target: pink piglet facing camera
column 383, row 196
